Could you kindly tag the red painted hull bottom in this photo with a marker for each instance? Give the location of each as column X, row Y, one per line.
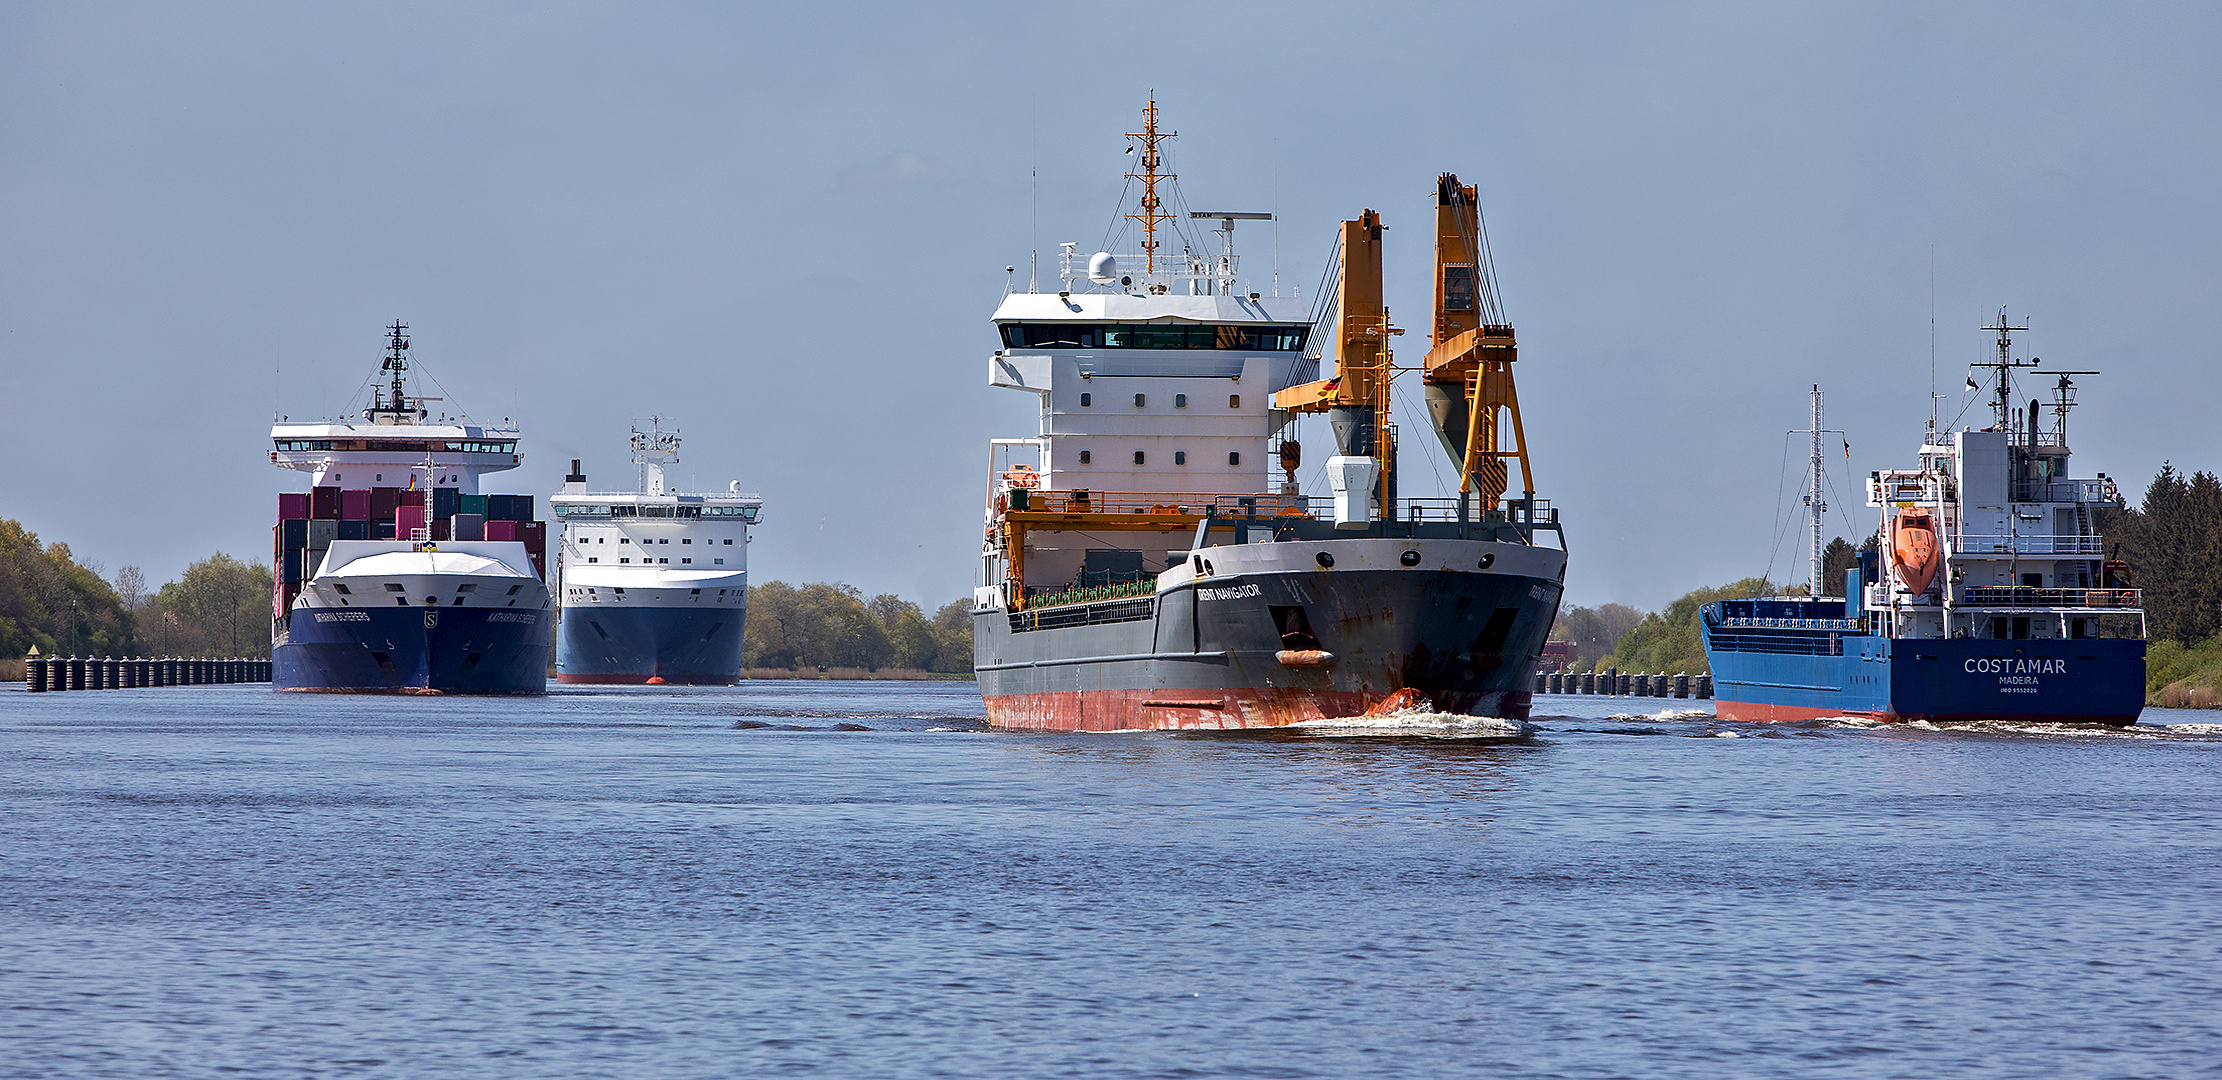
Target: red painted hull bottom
column 1747, row 712
column 642, row 680
column 1215, row 709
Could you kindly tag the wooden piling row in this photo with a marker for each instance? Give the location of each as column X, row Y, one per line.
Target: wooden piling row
column 1618, row 683
column 63, row 673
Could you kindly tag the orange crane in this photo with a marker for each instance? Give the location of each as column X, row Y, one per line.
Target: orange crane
column 1357, row 398
column 1468, row 371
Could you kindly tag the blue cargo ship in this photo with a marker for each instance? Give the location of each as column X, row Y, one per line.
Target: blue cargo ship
column 653, row 581
column 393, row 573
column 1987, row 595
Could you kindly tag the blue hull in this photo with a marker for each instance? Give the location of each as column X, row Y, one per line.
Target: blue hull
column 619, row 644
column 453, row 650
column 2074, row 680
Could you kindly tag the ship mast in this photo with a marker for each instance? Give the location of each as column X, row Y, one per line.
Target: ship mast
column 1152, row 211
column 2002, row 405
column 1813, row 503
column 393, row 409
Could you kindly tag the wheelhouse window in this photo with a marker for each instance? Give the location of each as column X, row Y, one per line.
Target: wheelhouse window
column 1152, row 336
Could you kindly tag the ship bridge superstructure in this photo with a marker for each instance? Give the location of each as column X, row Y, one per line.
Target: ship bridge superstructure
column 2016, row 549
column 398, row 441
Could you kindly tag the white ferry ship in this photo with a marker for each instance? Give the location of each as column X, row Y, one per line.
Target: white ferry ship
column 393, row 573
column 654, row 581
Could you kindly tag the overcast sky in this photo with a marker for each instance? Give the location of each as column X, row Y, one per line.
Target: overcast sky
column 785, row 226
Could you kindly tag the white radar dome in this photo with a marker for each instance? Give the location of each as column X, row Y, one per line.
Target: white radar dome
column 1103, row 268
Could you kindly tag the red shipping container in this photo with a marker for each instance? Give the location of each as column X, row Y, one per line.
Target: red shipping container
column 383, row 500
column 293, row 505
column 407, row 520
column 439, row 528
column 410, row 497
column 501, row 530
column 535, row 536
column 324, row 503
column 354, row 505
column 539, row 565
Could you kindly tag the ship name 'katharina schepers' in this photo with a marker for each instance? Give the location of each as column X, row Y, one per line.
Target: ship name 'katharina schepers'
column 654, row 581
column 392, row 573
column 1988, row 595
column 1143, row 570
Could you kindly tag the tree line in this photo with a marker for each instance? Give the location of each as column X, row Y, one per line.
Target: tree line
column 220, row 607
column 820, row 626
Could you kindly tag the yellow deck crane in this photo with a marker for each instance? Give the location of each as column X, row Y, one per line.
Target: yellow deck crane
column 1356, row 400
column 1468, row 370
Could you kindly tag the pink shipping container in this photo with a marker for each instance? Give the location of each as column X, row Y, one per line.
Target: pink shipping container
column 354, row 505
column 293, row 505
column 501, row 530
column 406, row 521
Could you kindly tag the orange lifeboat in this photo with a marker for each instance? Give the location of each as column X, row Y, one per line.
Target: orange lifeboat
column 1913, row 548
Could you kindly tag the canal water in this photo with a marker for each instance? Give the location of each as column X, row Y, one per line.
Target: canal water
column 858, row 879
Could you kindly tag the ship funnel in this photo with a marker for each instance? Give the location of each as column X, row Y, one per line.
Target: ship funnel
column 1103, row 268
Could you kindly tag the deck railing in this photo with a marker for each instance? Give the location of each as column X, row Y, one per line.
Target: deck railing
column 2030, row 544
column 2024, row 596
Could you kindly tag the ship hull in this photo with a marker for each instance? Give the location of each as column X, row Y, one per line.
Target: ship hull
column 631, row 645
column 2035, row 680
column 413, row 650
column 1209, row 653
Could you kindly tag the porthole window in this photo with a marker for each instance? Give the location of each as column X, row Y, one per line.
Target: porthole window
column 1180, row 457
column 1086, row 457
column 1137, row 457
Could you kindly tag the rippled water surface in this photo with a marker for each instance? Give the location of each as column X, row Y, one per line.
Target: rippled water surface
column 852, row 879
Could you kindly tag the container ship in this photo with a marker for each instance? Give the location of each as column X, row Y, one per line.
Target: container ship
column 654, row 581
column 1141, row 567
column 393, row 573
column 1987, row 595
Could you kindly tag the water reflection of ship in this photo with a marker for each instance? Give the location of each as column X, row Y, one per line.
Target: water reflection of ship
column 1143, row 572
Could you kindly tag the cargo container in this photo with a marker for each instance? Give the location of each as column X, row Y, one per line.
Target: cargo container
column 383, row 501
column 501, row 530
column 381, row 530
column 322, row 532
column 409, row 497
column 472, row 504
column 293, row 505
column 293, row 534
column 324, row 503
column 440, row 529
column 446, row 503
column 354, row 504
column 354, row 530
column 467, row 527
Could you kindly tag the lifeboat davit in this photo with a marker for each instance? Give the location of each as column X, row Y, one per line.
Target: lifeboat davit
column 1913, row 548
